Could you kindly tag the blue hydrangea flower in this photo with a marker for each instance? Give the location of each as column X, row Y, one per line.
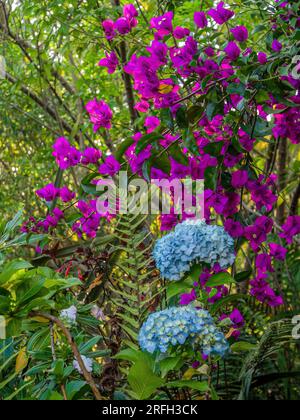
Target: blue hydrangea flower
column 193, row 242
column 182, row 325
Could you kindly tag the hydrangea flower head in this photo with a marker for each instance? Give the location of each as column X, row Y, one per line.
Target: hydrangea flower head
column 88, row 363
column 179, row 326
column 193, row 242
column 69, row 315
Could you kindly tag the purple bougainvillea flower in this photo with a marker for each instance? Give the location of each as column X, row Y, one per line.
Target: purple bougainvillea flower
column 200, row 20
column 262, row 58
column 216, row 200
column 100, row 114
column 277, row 251
column 180, row 33
column 122, row 25
column 237, row 319
column 66, row 195
column 240, row 33
column 210, row 52
column 257, row 233
column 110, row 167
column 261, row 194
column 142, row 106
column 220, row 14
column 263, row 263
column 158, row 51
column 168, row 222
column 195, row 365
column 130, row 12
column 48, row 193
column 65, row 154
column 163, row 24
column 58, row 213
column 291, row 228
column 187, row 298
column 91, row 156
column 111, row 62
column 246, row 141
column 276, row 45
column 264, row 293
column 239, row 179
column 152, row 123
column 109, row 29
column 232, row 50
column 235, row 229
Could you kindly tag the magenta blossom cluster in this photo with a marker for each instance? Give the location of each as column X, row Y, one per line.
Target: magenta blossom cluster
column 242, row 196
column 49, row 193
column 123, row 25
column 237, row 322
column 43, row 226
column 68, row 156
column 100, row 114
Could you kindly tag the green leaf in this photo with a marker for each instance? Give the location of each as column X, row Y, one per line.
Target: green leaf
column 122, row 149
column 182, row 118
column 195, row 272
column 236, row 88
column 166, row 118
column 58, row 368
column 89, row 345
column 176, row 288
column 14, row 223
column 219, row 280
column 55, row 396
column 13, row 328
column 12, row 268
column 178, row 155
column 199, row 386
column 127, row 354
column 228, row 300
column 214, row 149
column 143, row 381
column 4, row 301
column 169, row 364
column 75, row 387
column 146, row 140
column 242, row 276
column 211, row 178
column 25, row 292
column 243, row 346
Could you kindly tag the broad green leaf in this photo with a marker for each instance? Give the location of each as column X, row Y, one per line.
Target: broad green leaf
column 143, row 381
column 242, row 346
column 75, row 387
column 219, row 280
column 12, row 268
column 199, row 386
column 169, row 364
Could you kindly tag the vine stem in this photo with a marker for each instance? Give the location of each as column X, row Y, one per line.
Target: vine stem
column 62, row 386
column 87, row 376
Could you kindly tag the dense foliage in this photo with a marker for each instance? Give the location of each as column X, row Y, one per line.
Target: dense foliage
column 101, row 303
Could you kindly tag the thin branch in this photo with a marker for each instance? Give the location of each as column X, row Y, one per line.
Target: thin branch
column 88, row 377
column 295, row 200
